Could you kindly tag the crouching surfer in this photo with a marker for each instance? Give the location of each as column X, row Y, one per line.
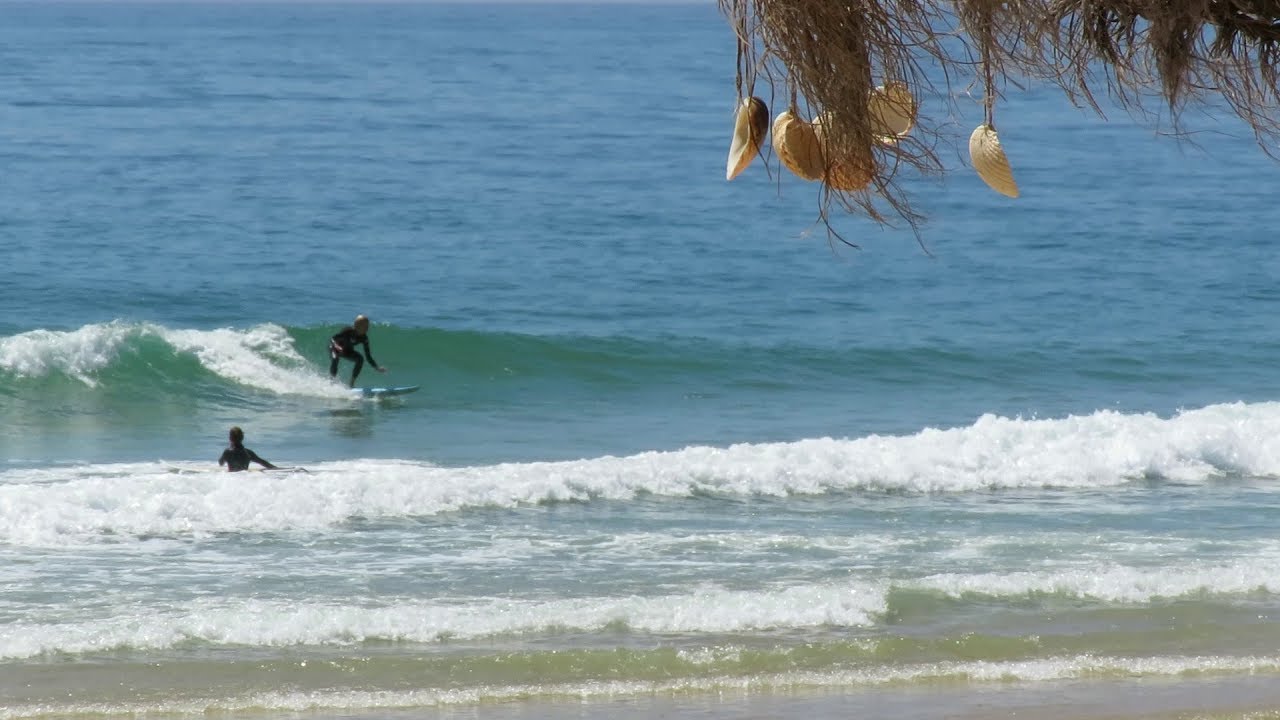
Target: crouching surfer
column 343, row 346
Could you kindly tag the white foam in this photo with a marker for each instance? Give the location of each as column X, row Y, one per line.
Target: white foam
column 1122, row 584
column 78, row 353
column 260, row 623
column 708, row 608
column 61, row 506
column 361, row 701
column 261, row 357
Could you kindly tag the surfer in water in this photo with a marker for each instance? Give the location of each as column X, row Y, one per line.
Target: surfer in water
column 237, row 457
column 343, row 345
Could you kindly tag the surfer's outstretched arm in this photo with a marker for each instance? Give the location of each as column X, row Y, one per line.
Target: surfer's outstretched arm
column 368, row 353
column 254, row 457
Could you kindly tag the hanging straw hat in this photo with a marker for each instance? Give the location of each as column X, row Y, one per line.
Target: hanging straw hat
column 749, row 128
column 990, row 161
column 892, row 111
column 797, row 145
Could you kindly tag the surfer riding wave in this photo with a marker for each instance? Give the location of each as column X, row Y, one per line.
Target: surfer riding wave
column 343, row 345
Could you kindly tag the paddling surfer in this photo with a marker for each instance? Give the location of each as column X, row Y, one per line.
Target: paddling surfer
column 237, row 457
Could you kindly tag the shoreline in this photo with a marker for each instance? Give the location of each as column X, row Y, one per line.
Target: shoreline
column 1223, row 698
column 1249, row 697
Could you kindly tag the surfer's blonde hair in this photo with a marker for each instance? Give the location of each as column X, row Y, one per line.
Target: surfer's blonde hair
column 361, row 323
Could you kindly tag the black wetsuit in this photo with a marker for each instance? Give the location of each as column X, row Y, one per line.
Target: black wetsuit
column 238, row 457
column 343, row 345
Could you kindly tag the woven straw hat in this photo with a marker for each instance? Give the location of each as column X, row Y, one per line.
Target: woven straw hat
column 892, row 111
column 849, row 173
column 798, row 147
column 990, row 161
column 749, row 128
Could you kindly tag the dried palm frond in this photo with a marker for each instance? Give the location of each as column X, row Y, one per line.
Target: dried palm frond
column 843, row 57
column 1179, row 51
column 848, row 168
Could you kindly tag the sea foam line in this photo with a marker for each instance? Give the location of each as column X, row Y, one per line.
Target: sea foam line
column 345, row 622
column 262, row 623
column 978, row 674
column 1102, row 450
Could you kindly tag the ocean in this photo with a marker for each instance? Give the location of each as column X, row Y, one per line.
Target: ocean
column 676, row 453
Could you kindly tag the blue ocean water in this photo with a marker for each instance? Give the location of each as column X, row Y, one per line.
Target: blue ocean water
column 671, row 440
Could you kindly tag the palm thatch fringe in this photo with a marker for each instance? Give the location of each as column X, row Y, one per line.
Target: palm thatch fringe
column 838, row 58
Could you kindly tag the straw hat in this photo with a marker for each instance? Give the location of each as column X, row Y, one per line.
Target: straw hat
column 990, row 162
column 892, row 111
column 749, row 128
column 797, row 145
column 849, row 173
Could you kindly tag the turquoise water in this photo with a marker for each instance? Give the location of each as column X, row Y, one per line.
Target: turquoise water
column 670, row 442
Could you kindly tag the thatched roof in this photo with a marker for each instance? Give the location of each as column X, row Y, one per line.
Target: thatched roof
column 836, row 62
